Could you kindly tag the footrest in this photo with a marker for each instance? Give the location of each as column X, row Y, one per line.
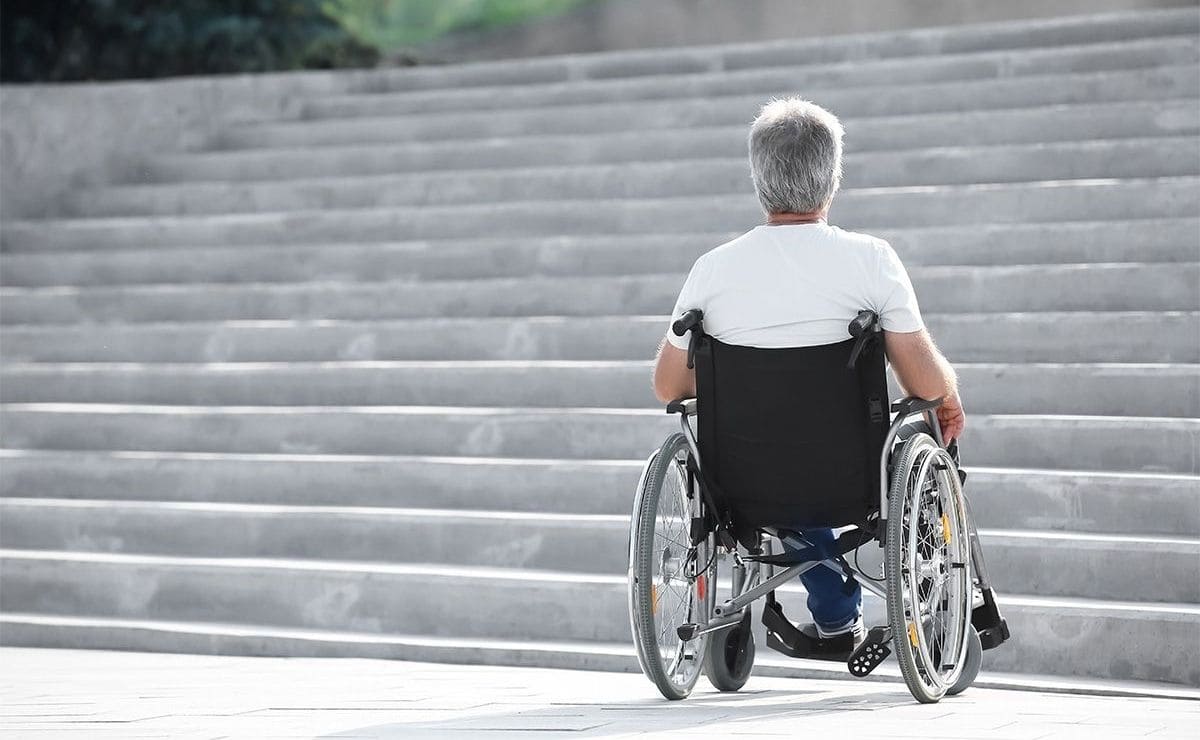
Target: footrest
column 802, row 642
column 873, row 651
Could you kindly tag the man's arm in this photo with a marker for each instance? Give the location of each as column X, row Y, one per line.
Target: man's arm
column 672, row 378
column 923, row 371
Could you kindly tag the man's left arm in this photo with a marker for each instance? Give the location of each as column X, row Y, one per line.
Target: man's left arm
column 672, row 377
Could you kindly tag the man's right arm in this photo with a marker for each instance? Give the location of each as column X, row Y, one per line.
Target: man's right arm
column 923, row 371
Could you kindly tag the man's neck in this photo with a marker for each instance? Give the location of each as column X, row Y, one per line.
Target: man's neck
column 789, row 218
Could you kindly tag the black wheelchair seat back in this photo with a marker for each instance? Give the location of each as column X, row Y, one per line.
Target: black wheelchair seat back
column 792, row 437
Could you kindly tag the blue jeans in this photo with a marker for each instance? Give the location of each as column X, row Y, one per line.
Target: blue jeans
column 832, row 608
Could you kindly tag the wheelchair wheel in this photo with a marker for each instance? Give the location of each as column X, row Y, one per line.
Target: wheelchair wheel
column 729, row 657
column 669, row 578
column 927, row 563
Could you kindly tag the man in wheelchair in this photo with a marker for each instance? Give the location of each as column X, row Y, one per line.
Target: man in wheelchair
column 777, row 354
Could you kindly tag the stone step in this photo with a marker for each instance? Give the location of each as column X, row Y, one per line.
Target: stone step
column 1060, row 442
column 212, row 638
column 1096, row 566
column 1004, row 498
column 1095, row 389
column 869, row 208
column 1107, row 566
column 1079, row 287
column 887, row 136
column 1156, row 84
column 1129, row 640
column 1085, row 336
column 1145, row 240
column 1129, row 158
column 944, row 67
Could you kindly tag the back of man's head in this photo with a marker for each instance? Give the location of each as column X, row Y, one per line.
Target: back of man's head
column 795, row 156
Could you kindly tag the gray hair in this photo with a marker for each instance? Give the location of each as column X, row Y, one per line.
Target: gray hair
column 795, row 156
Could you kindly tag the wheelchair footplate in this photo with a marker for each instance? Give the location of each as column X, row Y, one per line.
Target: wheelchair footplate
column 873, row 651
column 802, row 642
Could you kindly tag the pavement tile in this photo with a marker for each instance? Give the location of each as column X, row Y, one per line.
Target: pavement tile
column 96, row 694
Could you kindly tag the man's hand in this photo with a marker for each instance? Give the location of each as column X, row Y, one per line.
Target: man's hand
column 951, row 418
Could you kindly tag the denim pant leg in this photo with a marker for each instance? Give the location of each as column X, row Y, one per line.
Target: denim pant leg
column 830, row 605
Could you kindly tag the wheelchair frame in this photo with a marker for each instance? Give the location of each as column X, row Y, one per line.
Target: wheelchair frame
column 976, row 605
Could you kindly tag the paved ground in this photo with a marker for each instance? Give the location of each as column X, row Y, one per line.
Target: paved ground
column 94, row 694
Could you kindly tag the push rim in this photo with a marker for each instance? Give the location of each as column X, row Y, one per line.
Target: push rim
column 934, row 583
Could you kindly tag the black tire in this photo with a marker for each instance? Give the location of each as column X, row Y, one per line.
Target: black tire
column 729, row 658
column 686, row 573
column 971, row 667
column 913, row 646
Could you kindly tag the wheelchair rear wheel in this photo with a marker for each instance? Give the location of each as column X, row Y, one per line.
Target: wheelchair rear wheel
column 669, row 577
column 927, row 563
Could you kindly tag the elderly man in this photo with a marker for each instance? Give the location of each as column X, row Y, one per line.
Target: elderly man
column 796, row 281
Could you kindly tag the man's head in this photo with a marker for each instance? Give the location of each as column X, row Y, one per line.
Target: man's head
column 795, row 156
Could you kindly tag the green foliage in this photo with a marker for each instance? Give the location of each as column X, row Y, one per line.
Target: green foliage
column 395, row 24
column 55, row 40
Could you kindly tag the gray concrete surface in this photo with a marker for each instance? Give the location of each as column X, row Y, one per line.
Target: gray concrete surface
column 258, row 596
column 1150, row 336
column 1032, row 499
column 1148, row 444
column 866, row 208
column 1113, row 241
column 1101, row 566
column 1150, row 157
column 96, row 694
column 975, row 289
column 1039, row 124
column 1076, row 388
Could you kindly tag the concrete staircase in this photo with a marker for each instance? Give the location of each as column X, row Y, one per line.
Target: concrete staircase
column 374, row 380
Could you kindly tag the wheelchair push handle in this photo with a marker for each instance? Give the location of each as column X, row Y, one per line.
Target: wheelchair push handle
column 691, row 321
column 861, row 323
column 688, row 321
column 863, row 328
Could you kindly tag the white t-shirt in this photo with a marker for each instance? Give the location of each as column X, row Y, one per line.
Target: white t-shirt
column 797, row 285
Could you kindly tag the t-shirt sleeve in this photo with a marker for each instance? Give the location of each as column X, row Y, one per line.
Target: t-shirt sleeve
column 690, row 296
column 895, row 299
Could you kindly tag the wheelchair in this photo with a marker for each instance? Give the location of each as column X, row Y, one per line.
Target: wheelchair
column 785, row 441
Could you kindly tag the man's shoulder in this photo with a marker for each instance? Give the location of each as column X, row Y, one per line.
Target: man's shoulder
column 731, row 249
column 735, row 244
column 859, row 239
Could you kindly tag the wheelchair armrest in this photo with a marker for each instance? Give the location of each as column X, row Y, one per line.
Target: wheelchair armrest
column 912, row 405
column 685, row 406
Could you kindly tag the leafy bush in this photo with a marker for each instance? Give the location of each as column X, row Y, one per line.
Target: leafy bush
column 56, row 40
column 396, row 24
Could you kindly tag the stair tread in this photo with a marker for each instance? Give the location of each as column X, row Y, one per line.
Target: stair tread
column 1148, row 609
column 1116, row 540
column 770, row 665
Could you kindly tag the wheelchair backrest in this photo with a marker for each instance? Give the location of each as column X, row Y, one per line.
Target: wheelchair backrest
column 792, row 436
